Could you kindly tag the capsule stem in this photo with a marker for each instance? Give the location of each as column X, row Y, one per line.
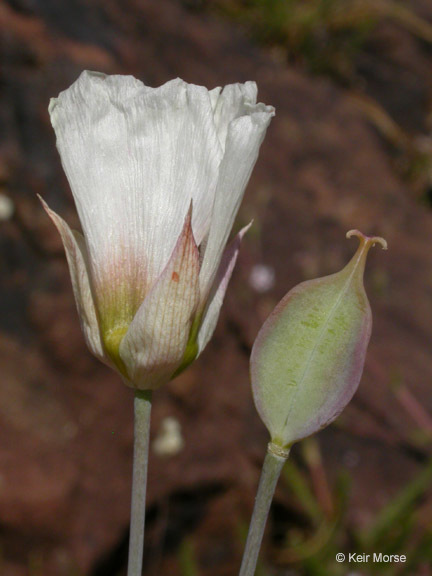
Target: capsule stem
column 272, row 467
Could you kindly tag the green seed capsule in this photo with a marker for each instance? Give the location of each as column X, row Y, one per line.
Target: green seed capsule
column 308, row 357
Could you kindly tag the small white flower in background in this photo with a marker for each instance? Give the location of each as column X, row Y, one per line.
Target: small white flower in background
column 262, row 278
column 157, row 175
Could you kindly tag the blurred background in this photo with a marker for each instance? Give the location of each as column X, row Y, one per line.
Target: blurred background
column 350, row 147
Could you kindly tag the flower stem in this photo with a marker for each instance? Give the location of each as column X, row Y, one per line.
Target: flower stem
column 272, row 467
column 142, row 410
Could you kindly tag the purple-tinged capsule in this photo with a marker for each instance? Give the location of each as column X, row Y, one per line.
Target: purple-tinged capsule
column 308, row 357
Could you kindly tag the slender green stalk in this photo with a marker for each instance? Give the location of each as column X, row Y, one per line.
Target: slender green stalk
column 272, row 467
column 142, row 411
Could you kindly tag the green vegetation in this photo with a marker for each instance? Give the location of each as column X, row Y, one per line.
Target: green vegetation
column 330, row 38
column 402, row 526
column 323, row 35
column 187, row 560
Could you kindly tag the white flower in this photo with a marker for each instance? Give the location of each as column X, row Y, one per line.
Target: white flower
column 157, row 175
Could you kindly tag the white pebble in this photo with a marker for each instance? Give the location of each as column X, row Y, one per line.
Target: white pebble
column 169, row 440
column 7, row 207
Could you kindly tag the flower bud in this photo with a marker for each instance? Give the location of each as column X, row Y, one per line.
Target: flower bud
column 308, row 357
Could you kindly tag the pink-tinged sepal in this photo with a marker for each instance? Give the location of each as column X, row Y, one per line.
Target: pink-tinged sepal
column 155, row 342
column 76, row 255
column 308, row 358
column 217, row 293
column 207, row 314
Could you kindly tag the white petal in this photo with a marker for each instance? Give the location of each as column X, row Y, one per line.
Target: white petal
column 214, row 96
column 234, row 101
column 134, row 157
column 156, row 340
column 244, row 139
column 218, row 290
column 76, row 255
